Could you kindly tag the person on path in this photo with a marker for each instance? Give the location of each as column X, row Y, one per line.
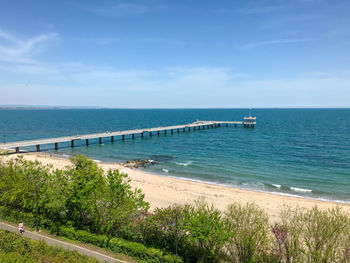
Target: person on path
column 21, row 227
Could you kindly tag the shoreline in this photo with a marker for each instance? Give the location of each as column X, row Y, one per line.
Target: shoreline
column 162, row 191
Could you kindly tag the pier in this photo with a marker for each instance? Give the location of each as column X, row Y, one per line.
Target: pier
column 249, row 122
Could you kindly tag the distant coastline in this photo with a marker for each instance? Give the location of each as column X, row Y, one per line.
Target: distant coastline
column 58, row 107
column 45, row 107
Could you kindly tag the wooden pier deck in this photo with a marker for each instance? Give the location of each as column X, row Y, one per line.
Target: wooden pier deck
column 198, row 125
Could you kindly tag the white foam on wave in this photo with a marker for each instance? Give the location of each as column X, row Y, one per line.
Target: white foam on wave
column 165, row 170
column 276, row 185
column 184, row 164
column 97, row 161
column 296, row 189
column 65, row 155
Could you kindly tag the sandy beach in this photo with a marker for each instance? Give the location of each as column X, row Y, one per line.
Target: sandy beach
column 161, row 191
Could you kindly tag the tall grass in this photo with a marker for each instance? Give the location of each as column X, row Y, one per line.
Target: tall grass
column 249, row 232
column 313, row 235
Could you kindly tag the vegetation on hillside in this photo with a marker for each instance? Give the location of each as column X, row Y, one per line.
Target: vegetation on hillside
column 83, row 203
column 15, row 248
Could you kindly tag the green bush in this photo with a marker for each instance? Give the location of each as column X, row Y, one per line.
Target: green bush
column 15, row 248
column 16, row 216
column 118, row 245
column 313, row 235
column 84, row 236
column 139, row 251
column 249, row 231
column 206, row 232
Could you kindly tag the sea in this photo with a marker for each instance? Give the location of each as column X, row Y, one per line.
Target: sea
column 298, row 152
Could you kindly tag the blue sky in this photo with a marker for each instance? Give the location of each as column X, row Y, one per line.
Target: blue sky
column 175, row 54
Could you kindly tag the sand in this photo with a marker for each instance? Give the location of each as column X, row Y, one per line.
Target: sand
column 161, row 191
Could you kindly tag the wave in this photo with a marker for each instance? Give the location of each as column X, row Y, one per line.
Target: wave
column 97, row 161
column 184, row 164
column 256, row 190
column 301, row 190
column 277, row 185
column 165, row 170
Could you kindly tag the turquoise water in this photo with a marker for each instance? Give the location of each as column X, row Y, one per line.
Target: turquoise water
column 304, row 152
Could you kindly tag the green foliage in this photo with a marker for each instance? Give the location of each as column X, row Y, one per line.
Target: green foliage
column 118, row 245
column 84, row 203
column 5, row 153
column 86, row 187
column 139, row 251
column 249, row 232
column 313, row 235
column 21, row 182
column 84, row 236
column 120, row 207
column 80, row 195
column 14, row 248
column 164, row 228
column 16, row 216
column 206, row 231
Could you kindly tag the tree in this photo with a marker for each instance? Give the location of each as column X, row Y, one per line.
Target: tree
column 86, row 187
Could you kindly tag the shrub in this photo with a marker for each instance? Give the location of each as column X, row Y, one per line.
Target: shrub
column 206, row 232
column 313, row 235
column 16, row 216
column 15, row 248
column 164, row 228
column 248, row 229
column 84, row 236
column 140, row 251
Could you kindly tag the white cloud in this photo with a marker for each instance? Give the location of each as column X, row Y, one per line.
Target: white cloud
column 15, row 50
column 276, row 42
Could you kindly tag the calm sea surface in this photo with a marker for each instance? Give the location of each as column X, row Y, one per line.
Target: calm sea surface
column 303, row 152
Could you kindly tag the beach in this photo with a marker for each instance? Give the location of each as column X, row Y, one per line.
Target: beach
column 161, row 191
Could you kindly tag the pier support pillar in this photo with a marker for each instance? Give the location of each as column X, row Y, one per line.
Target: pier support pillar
column 133, row 136
column 142, row 135
column 72, row 143
column 199, row 128
column 194, row 128
column 158, row 133
column 87, row 142
column 112, row 138
column 150, row 134
column 208, row 126
column 178, row 130
column 226, row 125
column 56, row 146
column 99, row 140
column 123, row 137
column 171, row 131
column 164, row 131
column 38, row 148
column 219, row 125
column 235, row 124
column 184, row 129
column 17, row 149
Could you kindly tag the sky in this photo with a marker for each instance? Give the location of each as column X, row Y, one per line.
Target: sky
column 175, row 54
